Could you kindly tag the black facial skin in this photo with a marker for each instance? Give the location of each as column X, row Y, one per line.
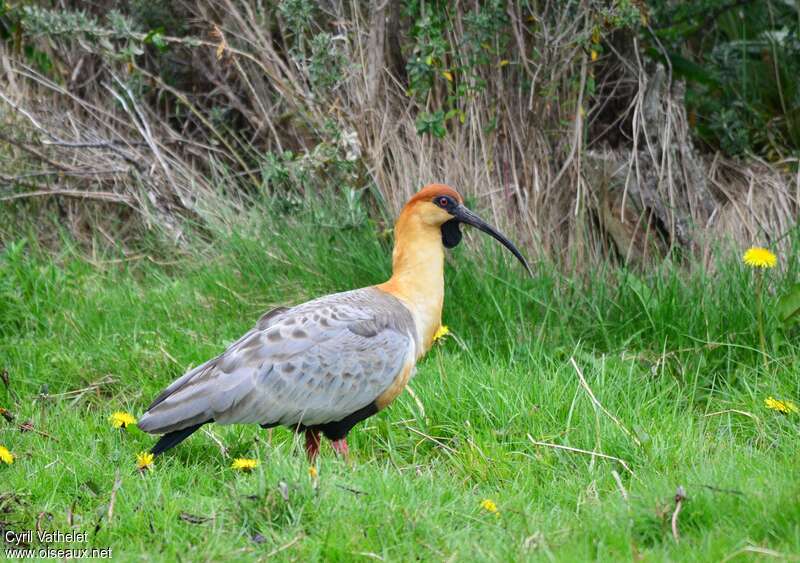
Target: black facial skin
column 451, row 234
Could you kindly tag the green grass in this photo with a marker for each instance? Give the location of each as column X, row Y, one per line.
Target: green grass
column 673, row 356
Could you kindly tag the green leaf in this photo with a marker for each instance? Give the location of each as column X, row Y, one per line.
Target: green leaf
column 155, row 37
column 451, row 114
column 432, row 123
column 684, row 68
column 789, row 306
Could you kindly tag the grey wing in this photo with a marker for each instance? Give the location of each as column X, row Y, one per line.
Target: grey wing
column 312, row 364
column 263, row 322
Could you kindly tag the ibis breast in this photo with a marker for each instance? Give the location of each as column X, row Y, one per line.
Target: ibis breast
column 311, row 364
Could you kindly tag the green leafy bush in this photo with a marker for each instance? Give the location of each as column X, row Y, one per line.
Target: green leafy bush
column 741, row 63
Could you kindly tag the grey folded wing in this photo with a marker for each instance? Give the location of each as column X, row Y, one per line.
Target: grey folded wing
column 311, row 364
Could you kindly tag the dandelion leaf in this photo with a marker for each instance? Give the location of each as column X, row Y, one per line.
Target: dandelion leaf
column 789, row 306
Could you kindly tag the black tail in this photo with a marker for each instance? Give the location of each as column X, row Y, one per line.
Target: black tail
column 172, row 439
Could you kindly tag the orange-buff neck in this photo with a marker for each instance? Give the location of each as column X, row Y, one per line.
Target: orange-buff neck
column 418, row 272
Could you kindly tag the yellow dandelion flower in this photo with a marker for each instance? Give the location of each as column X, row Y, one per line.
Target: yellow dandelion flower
column 489, row 506
column 121, row 419
column 6, row 456
column 448, row 75
column 757, row 257
column 244, row 464
column 503, row 63
column 144, row 461
column 785, row 407
column 595, row 55
column 441, row 332
column 312, row 472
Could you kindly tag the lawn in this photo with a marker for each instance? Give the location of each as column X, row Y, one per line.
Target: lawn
column 576, row 403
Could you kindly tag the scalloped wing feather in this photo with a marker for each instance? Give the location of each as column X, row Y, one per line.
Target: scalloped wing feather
column 314, row 363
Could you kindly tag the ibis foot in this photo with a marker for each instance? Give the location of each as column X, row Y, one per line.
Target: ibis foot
column 312, row 444
column 340, row 447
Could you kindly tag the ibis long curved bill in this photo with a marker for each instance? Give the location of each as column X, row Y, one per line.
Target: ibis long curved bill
column 464, row 215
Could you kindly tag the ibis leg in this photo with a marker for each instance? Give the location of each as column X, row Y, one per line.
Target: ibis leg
column 312, row 444
column 340, row 447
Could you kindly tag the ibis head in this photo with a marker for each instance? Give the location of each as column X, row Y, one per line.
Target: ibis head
column 442, row 206
column 429, row 223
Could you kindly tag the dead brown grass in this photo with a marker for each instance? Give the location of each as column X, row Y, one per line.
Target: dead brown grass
column 579, row 177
